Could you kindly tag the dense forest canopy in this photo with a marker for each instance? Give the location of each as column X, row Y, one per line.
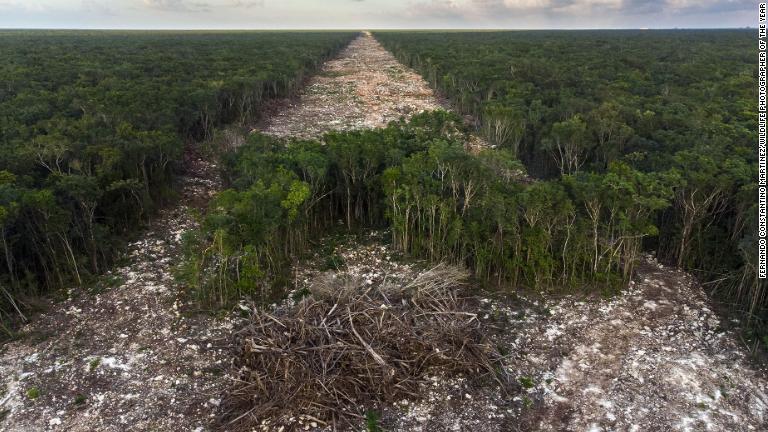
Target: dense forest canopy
column 439, row 201
column 92, row 129
column 652, row 91
column 678, row 104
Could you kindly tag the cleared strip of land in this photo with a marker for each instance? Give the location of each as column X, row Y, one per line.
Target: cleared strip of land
column 126, row 353
column 365, row 87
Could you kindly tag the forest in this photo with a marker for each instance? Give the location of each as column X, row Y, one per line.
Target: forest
column 559, row 227
column 638, row 148
column 93, row 127
column 672, row 105
column 440, row 202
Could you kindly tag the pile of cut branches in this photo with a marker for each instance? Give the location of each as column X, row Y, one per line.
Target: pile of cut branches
column 348, row 346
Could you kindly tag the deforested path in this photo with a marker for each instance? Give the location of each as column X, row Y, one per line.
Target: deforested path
column 364, row 87
column 128, row 353
column 655, row 357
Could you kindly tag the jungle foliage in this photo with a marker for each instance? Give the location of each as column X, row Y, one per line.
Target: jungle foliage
column 677, row 104
column 93, row 126
column 439, row 201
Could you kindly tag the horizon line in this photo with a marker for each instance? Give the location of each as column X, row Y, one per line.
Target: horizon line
column 369, row 29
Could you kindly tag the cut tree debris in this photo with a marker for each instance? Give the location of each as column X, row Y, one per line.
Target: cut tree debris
column 350, row 345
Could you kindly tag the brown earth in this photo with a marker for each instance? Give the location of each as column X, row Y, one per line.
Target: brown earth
column 656, row 357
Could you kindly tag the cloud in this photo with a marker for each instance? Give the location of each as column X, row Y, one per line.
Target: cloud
column 482, row 12
column 98, row 7
column 709, row 5
column 201, row 6
column 27, row 6
column 178, row 5
column 437, row 10
column 247, row 4
column 522, row 14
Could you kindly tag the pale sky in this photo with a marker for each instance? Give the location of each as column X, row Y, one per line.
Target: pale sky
column 375, row 14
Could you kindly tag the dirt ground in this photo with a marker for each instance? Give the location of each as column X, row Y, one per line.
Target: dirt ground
column 125, row 354
column 654, row 358
column 129, row 354
column 365, row 87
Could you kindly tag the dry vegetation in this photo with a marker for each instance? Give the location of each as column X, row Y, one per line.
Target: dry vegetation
column 350, row 345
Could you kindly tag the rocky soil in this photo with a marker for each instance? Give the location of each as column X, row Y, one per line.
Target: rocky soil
column 365, row 87
column 127, row 353
column 654, row 358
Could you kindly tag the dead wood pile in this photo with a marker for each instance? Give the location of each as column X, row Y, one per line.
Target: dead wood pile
column 349, row 346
